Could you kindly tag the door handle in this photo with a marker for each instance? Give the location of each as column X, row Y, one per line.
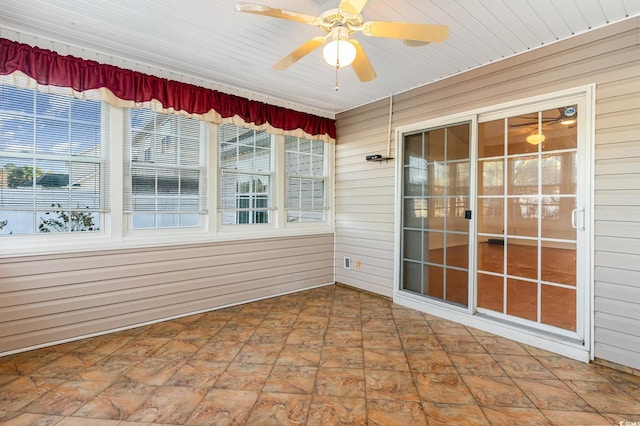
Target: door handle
column 577, row 219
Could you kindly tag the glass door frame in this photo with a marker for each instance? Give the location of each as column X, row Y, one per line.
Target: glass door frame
column 578, row 219
column 450, row 121
column 578, row 345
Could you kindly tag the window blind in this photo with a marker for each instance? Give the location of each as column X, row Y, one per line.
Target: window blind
column 305, row 167
column 53, row 162
column 165, row 174
column 245, row 167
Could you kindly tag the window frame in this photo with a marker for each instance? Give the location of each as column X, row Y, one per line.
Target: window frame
column 304, row 176
column 272, row 205
column 115, row 232
column 127, row 184
column 100, row 162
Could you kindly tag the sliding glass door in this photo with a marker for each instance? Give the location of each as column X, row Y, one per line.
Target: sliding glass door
column 435, row 232
column 493, row 218
column 527, row 217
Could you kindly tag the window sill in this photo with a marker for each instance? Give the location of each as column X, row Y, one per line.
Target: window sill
column 35, row 245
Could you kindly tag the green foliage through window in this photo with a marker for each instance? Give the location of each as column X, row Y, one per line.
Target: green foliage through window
column 20, row 175
column 67, row 221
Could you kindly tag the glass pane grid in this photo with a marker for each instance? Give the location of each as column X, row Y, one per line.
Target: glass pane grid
column 528, row 226
column 435, row 197
column 50, row 163
column 304, row 164
column 248, row 195
column 168, row 175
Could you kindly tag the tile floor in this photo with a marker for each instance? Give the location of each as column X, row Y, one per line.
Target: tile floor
column 326, row 356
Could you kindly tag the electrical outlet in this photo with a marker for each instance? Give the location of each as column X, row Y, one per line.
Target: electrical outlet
column 347, row 263
column 357, row 265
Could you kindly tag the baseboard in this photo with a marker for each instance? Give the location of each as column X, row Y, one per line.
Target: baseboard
column 142, row 324
column 616, row 366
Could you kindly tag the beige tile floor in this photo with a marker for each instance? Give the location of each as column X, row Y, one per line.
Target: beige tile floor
column 327, row 356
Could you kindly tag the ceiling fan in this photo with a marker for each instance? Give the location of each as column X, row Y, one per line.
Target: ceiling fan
column 566, row 116
column 339, row 24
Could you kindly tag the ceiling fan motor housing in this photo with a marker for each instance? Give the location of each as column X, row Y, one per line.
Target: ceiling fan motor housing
column 338, row 18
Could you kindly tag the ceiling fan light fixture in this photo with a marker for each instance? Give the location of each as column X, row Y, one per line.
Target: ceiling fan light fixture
column 339, row 52
column 535, row 138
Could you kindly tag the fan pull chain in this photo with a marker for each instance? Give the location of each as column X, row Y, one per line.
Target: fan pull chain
column 337, row 64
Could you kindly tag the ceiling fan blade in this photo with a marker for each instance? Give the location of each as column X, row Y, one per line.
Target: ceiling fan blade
column 535, row 123
column 299, row 53
column 361, row 65
column 259, row 9
column 407, row 31
column 352, row 7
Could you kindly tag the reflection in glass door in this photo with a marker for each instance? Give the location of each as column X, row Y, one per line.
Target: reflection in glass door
column 435, row 194
column 526, row 244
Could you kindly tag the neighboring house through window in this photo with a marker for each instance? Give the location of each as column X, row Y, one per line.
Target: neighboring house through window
column 306, row 175
column 165, row 170
column 245, row 167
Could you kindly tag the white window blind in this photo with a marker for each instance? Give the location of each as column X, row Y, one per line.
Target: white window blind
column 305, row 168
column 245, row 167
column 165, row 170
column 53, row 170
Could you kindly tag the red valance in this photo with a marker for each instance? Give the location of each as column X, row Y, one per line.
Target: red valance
column 50, row 68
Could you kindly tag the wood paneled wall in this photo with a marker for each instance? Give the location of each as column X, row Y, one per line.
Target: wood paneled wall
column 608, row 57
column 50, row 298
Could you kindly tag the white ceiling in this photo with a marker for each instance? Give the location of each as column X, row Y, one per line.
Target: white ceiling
column 209, row 40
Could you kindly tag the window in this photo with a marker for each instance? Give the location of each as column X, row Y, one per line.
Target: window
column 52, row 163
column 305, row 168
column 165, row 170
column 55, row 174
column 245, row 167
